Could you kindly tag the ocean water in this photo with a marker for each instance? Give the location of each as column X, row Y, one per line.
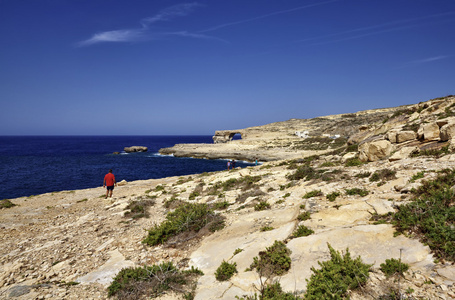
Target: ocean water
column 31, row 165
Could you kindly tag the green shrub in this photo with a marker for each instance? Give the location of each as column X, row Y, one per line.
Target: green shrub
column 304, row 216
column 436, row 152
column 303, row 172
column 332, row 196
column 363, row 175
column 357, row 191
column 221, row 205
column 431, row 215
column 237, row 251
column 417, row 176
column 393, row 266
column 193, row 195
column 352, row 148
column 262, row 205
column 301, row 231
column 267, row 228
column 188, row 217
column 244, row 183
column 135, row 283
column 314, row 193
column 272, row 291
column 383, row 174
column 274, row 261
column 327, row 164
column 225, row 271
column 5, row 203
column 159, row 188
column 353, row 162
column 336, row 276
column 139, row 209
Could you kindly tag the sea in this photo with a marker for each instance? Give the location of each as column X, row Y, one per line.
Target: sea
column 32, row 165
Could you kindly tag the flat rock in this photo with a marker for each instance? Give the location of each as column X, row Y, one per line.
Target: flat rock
column 105, row 274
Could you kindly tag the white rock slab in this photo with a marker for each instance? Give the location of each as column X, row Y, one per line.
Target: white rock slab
column 374, row 244
column 105, row 274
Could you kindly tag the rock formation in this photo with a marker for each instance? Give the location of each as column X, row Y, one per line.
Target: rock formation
column 70, row 244
column 135, row 149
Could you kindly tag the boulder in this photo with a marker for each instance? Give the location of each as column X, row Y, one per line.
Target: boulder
column 135, row 149
column 348, row 156
column 375, row 150
column 447, row 132
column 404, row 136
column 392, row 136
column 428, row 132
column 403, row 153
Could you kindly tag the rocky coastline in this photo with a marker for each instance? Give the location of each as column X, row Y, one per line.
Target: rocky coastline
column 71, row 244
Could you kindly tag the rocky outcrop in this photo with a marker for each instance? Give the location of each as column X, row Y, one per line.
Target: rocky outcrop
column 429, row 132
column 375, row 150
column 224, row 136
column 135, row 149
column 447, row 132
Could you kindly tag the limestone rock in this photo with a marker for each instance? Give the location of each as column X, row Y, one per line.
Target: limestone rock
column 135, row 149
column 123, row 182
column 403, row 153
column 375, row 150
column 392, row 136
column 447, row 132
column 404, row 136
column 429, row 132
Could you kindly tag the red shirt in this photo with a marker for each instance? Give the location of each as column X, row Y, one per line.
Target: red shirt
column 109, row 179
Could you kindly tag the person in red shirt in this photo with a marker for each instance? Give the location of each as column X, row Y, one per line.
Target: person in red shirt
column 109, row 182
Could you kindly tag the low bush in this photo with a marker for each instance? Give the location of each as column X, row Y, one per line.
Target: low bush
column 274, row 261
column 336, row 276
column 272, row 291
column 188, row 217
column 436, row 152
column 225, row 271
column 393, row 266
column 303, row 172
column 352, row 148
column 417, row 176
column 152, row 281
column 431, row 215
column 221, row 205
column 139, row 209
column 244, row 183
column 262, row 205
column 266, row 228
column 357, row 191
column 314, row 193
column 363, row 175
column 383, row 175
column 353, row 162
column 304, row 216
column 6, row 203
column 301, row 231
column 332, row 196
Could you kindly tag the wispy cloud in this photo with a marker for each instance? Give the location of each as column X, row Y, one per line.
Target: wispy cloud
column 428, row 60
column 167, row 14
column 266, row 16
column 145, row 32
column 376, row 29
column 124, row 35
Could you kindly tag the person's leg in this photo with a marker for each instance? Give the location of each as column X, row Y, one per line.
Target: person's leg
column 107, row 192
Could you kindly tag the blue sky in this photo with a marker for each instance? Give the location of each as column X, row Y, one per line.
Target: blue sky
column 152, row 67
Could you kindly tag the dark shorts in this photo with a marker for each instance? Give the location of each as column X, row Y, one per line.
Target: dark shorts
column 110, row 188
